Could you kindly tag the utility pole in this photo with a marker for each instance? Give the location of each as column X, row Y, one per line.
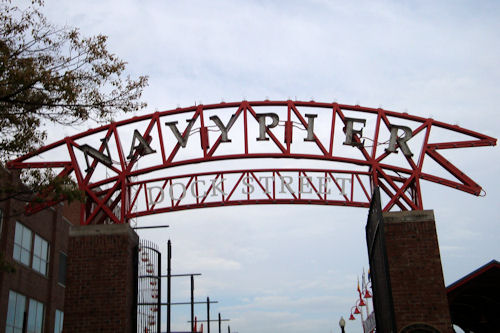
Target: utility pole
column 208, row 314
column 169, row 284
column 192, row 303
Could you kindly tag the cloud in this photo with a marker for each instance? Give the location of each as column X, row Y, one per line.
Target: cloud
column 272, row 267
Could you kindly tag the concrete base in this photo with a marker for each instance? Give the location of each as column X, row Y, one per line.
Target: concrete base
column 418, row 290
column 101, row 284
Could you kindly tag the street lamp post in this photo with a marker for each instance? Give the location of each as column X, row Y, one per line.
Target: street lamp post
column 342, row 324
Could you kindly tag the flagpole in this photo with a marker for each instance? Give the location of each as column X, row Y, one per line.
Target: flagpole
column 365, row 288
column 361, row 312
column 362, row 320
column 367, row 307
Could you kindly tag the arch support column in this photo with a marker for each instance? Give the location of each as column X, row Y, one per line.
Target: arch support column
column 416, row 275
column 101, row 284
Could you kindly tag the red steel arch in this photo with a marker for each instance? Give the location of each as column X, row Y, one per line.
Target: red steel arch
column 113, row 195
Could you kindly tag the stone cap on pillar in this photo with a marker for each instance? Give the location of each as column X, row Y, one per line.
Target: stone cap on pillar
column 408, row 216
column 103, row 230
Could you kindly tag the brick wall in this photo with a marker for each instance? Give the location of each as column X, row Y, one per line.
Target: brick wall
column 71, row 211
column 52, row 227
column 418, row 290
column 101, row 279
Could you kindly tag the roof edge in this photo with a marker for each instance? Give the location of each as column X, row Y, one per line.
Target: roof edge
column 473, row 274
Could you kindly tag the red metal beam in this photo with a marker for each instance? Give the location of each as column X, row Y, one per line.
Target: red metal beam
column 106, row 192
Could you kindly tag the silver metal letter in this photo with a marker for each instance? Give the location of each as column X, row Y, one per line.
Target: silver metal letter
column 161, row 193
column 262, row 124
column 323, row 185
column 104, row 159
column 248, row 189
column 216, row 188
column 266, row 178
column 193, row 188
column 171, row 191
column 303, row 184
column 342, row 191
column 181, row 139
column 224, row 129
column 350, row 132
column 143, row 148
column 310, row 126
column 285, row 183
column 408, row 133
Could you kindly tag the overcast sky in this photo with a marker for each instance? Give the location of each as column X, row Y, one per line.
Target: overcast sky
column 294, row 268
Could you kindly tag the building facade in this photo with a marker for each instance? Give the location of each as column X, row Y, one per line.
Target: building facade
column 34, row 251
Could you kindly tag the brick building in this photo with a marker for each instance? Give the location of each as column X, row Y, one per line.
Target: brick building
column 474, row 299
column 36, row 247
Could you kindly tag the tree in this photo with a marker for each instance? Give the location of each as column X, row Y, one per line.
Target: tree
column 51, row 74
column 54, row 74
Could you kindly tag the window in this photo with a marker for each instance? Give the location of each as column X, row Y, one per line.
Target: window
column 40, row 255
column 61, row 277
column 22, row 244
column 35, row 317
column 15, row 312
column 29, row 250
column 58, row 325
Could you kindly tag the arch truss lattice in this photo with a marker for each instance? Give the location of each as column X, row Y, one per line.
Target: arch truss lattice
column 151, row 163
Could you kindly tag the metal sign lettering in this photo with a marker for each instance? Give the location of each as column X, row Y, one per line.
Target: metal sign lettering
column 119, row 164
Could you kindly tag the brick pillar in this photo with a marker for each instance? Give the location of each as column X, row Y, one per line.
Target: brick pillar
column 418, row 291
column 101, row 282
